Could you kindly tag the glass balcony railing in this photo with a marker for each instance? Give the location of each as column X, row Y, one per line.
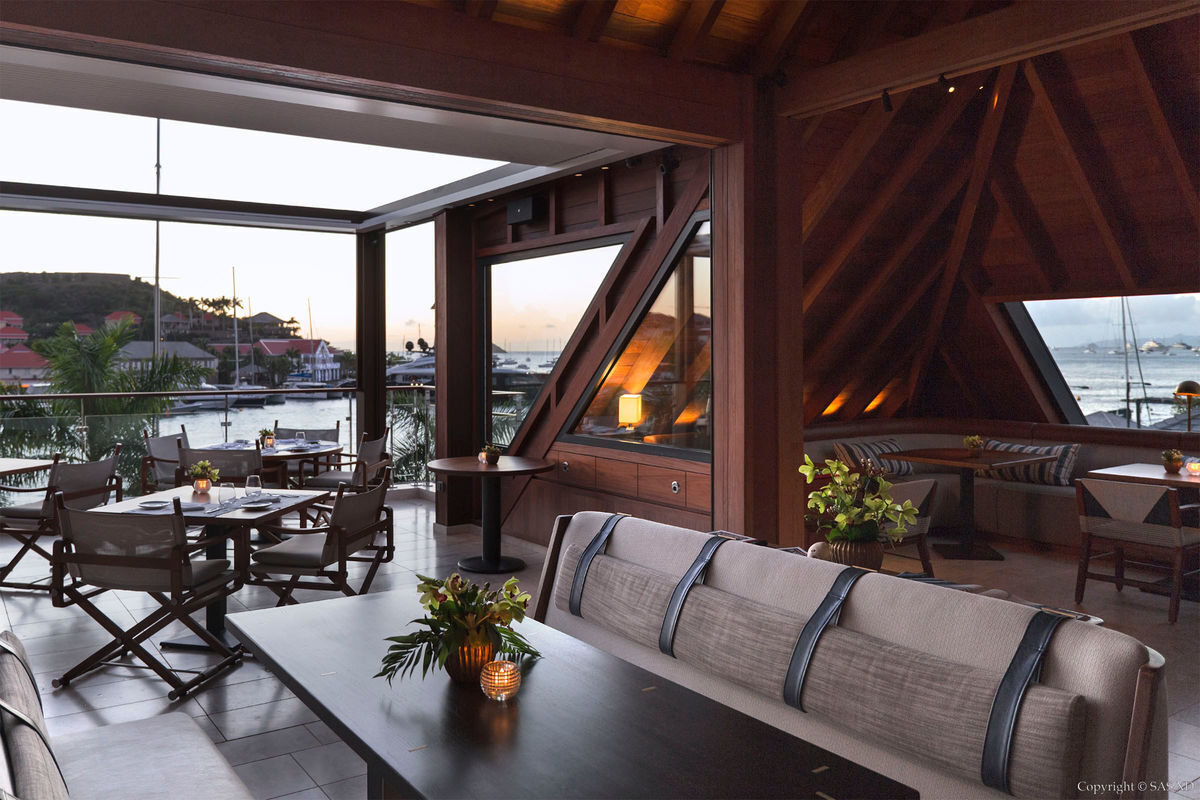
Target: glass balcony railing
column 41, row 425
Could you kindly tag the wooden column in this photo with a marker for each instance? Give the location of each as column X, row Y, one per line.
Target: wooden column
column 757, row 283
column 458, row 328
column 370, row 340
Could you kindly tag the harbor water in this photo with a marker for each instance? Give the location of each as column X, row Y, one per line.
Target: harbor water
column 1098, row 379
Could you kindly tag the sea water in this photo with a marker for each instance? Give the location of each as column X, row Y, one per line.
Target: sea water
column 1097, row 380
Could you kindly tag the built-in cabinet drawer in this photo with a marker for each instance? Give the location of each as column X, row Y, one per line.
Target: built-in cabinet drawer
column 573, row 468
column 618, row 477
column 662, row 485
column 699, row 491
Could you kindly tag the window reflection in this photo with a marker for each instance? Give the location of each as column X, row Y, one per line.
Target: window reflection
column 658, row 391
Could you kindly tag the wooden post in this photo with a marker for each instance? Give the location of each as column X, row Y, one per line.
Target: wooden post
column 370, row 339
column 458, row 370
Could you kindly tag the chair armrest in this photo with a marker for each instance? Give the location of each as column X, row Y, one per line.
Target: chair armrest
column 42, row 489
column 287, row 529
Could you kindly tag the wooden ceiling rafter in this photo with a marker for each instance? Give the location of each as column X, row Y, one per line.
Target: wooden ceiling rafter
column 480, row 9
column 689, row 37
column 1007, row 36
column 849, row 158
column 873, row 381
column 1168, row 144
column 1094, row 194
column 851, row 317
column 1022, row 215
column 773, row 47
column 881, row 201
column 981, row 166
column 591, row 18
column 969, row 393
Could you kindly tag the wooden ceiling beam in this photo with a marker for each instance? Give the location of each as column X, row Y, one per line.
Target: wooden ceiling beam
column 480, row 9
column 1021, row 215
column 773, row 48
column 1095, row 196
column 981, row 166
column 848, row 159
column 840, row 336
column 969, row 392
column 592, row 18
column 1016, row 32
column 825, row 389
column 697, row 22
column 1010, row 346
column 1168, row 145
column 881, row 201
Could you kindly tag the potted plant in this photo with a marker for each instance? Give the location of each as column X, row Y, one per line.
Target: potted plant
column 466, row 626
column 490, row 454
column 1172, row 460
column 203, row 475
column 974, row 445
column 267, row 437
column 852, row 507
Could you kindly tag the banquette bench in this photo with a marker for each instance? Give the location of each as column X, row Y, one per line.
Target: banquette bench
column 166, row 757
column 903, row 681
column 1017, row 508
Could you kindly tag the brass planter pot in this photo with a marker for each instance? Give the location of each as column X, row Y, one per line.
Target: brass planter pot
column 466, row 663
column 1172, row 466
column 865, row 551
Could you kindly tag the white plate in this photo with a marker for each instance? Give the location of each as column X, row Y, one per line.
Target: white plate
column 153, row 504
column 257, row 505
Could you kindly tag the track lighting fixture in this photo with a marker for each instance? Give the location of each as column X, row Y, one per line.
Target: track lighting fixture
column 887, row 101
column 945, row 84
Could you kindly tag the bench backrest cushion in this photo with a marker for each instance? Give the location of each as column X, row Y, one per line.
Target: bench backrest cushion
column 1058, row 472
column 967, row 632
column 854, row 454
column 31, row 766
column 923, row 705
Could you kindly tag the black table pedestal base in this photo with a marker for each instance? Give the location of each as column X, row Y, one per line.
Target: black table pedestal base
column 974, row 551
column 484, row 567
column 194, row 642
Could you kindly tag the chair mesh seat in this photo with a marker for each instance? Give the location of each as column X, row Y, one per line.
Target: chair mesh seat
column 23, row 511
column 304, row 550
column 331, row 479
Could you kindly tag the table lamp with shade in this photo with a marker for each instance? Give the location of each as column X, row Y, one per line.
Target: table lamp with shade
column 629, row 410
column 1188, row 389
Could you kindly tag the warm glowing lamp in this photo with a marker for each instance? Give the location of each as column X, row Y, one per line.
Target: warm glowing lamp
column 1188, row 389
column 629, row 410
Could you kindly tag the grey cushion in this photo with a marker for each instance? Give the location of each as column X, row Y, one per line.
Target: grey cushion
column 626, row 598
column 167, row 757
column 23, row 511
column 854, row 453
column 302, row 550
column 34, row 774
column 331, row 478
column 1054, row 473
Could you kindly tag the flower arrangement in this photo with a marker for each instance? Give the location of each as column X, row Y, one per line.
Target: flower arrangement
column 973, row 442
column 461, row 615
column 264, row 432
column 852, row 506
column 204, row 470
column 489, row 454
column 1172, row 460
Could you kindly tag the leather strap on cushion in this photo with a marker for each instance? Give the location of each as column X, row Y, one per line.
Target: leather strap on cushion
column 827, row 612
column 585, row 561
column 24, row 719
column 666, row 637
column 1026, row 665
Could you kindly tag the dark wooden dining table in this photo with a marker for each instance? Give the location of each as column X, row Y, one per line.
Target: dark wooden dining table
column 284, row 453
column 221, row 522
column 966, row 463
column 585, row 723
column 491, row 561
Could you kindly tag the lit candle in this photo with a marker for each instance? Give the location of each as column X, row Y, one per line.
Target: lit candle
column 1193, row 467
column 500, row 680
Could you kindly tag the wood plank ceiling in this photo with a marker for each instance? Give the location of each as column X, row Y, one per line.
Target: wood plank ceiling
column 1066, row 174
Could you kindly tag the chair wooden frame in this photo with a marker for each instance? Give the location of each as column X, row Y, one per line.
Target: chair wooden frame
column 1175, row 556
column 924, row 513
column 149, row 481
column 319, row 462
column 357, row 466
column 338, row 578
column 47, row 525
column 177, row 605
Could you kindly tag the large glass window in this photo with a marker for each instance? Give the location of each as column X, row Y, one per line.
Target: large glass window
column 1122, row 357
column 658, row 389
column 535, row 304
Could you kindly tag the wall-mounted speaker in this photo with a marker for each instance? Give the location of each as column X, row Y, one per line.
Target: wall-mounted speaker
column 526, row 209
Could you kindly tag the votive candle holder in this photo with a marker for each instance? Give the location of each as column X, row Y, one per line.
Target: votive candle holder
column 500, row 680
column 1193, row 467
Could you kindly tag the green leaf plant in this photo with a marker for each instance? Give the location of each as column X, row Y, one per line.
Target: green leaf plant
column 854, row 506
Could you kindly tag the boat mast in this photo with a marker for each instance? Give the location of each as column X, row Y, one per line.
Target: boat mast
column 237, row 373
column 1125, row 350
column 154, row 351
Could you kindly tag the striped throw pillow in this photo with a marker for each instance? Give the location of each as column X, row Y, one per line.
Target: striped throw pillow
column 854, row 453
column 1051, row 473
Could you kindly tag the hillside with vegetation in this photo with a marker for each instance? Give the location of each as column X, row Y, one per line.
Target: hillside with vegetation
column 48, row 299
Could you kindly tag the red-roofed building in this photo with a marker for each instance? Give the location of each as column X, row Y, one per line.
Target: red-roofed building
column 83, row 330
column 315, row 358
column 19, row 364
column 221, row 347
column 9, row 318
column 10, row 334
column 117, row 316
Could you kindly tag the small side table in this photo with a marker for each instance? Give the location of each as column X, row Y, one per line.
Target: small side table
column 491, row 562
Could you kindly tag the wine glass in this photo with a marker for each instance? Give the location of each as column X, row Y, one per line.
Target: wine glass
column 301, row 437
column 253, row 485
column 226, row 493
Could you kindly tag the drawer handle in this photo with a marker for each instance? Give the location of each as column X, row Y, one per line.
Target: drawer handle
column 566, row 466
column 674, row 487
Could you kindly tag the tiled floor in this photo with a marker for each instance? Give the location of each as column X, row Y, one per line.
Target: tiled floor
column 280, row 749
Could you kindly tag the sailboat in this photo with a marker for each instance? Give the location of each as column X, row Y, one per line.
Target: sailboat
column 241, row 400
